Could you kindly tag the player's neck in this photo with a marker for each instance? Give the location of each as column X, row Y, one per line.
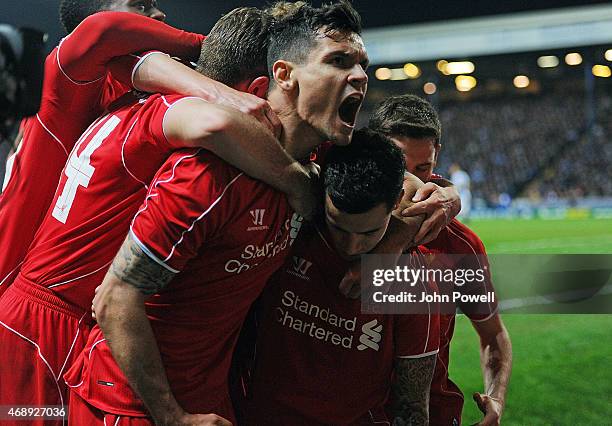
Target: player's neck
column 298, row 137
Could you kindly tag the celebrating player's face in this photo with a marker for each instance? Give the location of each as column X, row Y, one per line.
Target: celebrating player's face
column 142, row 7
column 420, row 155
column 356, row 234
column 332, row 85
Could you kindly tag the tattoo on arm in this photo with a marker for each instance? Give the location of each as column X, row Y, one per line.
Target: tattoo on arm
column 411, row 390
column 135, row 267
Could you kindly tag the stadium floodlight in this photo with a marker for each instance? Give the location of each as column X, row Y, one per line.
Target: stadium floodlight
column 549, row 61
column 521, row 81
column 602, row 71
column 430, row 88
column 465, row 83
column 412, row 71
column 464, row 67
column 398, row 74
column 383, row 73
column 573, row 58
column 608, row 55
column 441, row 65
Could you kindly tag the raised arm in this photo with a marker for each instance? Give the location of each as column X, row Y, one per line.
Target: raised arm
column 85, row 54
column 440, row 202
column 120, row 312
column 496, row 364
column 246, row 144
column 159, row 73
column 411, row 390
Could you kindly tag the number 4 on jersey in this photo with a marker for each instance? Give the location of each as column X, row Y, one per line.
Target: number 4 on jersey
column 79, row 170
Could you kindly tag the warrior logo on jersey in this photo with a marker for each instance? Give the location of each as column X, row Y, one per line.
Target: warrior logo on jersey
column 300, row 268
column 257, row 216
column 371, row 335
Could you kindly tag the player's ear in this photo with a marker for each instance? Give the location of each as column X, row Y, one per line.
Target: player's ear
column 259, row 87
column 283, row 75
column 437, row 147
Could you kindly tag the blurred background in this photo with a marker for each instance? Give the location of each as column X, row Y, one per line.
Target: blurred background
column 524, row 92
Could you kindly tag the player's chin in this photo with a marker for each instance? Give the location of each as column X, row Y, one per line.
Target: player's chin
column 342, row 137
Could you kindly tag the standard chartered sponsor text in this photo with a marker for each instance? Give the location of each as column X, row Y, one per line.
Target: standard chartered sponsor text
column 291, row 304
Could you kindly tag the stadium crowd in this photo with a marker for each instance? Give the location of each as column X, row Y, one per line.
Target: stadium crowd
column 505, row 143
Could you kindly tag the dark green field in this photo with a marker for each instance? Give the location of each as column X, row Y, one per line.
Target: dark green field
column 562, row 363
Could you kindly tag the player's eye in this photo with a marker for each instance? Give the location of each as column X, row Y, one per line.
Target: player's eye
column 339, row 61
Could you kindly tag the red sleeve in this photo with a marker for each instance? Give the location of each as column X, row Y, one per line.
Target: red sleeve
column 84, row 55
column 183, row 207
column 416, row 335
column 121, row 68
column 112, row 90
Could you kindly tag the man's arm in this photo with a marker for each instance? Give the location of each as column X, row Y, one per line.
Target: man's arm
column 440, row 204
column 246, row 144
column 159, row 73
column 411, row 390
column 120, row 312
column 496, row 364
column 85, row 54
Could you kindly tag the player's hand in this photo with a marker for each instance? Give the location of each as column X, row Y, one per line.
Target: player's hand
column 440, row 205
column 490, row 407
column 200, row 420
column 252, row 105
column 305, row 195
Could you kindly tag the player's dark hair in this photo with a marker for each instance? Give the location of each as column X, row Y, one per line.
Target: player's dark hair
column 406, row 115
column 296, row 26
column 236, row 47
column 369, row 171
column 72, row 12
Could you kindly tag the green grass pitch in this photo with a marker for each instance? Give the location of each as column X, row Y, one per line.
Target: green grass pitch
column 562, row 363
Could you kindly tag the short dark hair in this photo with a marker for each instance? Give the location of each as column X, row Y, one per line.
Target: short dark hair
column 406, row 115
column 369, row 171
column 295, row 27
column 236, row 47
column 72, row 12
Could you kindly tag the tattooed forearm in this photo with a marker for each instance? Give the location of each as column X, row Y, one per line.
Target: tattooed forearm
column 411, row 390
column 134, row 267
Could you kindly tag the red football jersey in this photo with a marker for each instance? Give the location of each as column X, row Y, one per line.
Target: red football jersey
column 76, row 90
column 226, row 233
column 319, row 359
column 103, row 183
column 446, row 401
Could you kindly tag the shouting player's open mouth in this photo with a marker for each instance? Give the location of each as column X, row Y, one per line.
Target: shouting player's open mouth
column 349, row 108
